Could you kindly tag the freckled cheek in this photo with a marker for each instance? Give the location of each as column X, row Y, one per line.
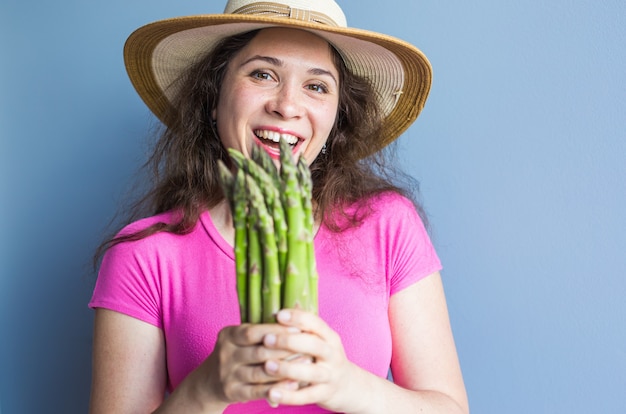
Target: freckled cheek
column 323, row 127
column 236, row 108
column 325, row 120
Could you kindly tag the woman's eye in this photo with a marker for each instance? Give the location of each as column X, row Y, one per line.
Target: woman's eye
column 318, row 87
column 261, row 75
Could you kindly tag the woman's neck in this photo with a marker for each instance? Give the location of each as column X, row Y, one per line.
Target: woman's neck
column 223, row 221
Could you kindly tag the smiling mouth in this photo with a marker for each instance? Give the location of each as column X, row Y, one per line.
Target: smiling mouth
column 275, row 137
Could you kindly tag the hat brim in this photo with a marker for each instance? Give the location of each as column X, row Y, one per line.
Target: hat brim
column 156, row 55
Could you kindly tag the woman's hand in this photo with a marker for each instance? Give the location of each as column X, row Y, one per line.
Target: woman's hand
column 299, row 360
column 234, row 372
column 326, row 377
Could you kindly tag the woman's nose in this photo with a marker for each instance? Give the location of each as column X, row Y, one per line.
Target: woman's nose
column 285, row 102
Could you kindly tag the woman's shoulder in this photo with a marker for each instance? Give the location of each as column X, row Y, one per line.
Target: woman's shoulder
column 390, row 199
column 385, row 208
column 145, row 223
column 388, row 204
column 150, row 236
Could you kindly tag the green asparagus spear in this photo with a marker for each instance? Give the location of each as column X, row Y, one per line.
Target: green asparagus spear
column 273, row 200
column 304, row 177
column 227, row 180
column 255, row 263
column 273, row 219
column 263, row 159
column 271, row 293
column 240, row 213
column 296, row 281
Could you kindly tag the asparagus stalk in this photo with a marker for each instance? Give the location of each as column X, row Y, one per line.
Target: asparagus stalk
column 270, row 190
column 262, row 264
column 304, row 177
column 263, row 159
column 240, row 213
column 271, row 292
column 227, row 180
column 272, row 214
column 296, row 280
column 254, row 265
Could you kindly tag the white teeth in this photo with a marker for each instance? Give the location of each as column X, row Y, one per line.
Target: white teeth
column 276, row 136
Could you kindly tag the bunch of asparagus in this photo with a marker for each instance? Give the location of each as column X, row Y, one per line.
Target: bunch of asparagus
column 273, row 220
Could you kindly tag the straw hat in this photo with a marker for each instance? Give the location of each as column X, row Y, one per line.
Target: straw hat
column 157, row 54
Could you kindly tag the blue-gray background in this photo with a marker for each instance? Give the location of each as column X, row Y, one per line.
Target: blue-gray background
column 520, row 152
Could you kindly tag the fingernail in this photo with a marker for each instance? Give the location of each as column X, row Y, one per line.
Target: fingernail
column 275, row 395
column 271, row 366
column 269, row 339
column 283, row 316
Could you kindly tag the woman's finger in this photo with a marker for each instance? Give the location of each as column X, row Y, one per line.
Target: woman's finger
column 306, row 322
column 255, row 354
column 255, row 374
column 303, row 370
column 250, row 334
column 298, row 396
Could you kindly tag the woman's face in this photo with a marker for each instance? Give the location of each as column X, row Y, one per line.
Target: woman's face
column 281, row 85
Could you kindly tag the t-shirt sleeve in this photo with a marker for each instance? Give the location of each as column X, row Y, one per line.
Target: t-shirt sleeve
column 413, row 254
column 128, row 282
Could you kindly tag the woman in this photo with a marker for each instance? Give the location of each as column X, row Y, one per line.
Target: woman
column 167, row 333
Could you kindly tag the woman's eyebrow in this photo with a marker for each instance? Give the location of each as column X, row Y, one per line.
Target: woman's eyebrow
column 323, row 72
column 277, row 62
column 268, row 59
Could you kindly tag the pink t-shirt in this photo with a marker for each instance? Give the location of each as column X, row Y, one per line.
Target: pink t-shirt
column 185, row 285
